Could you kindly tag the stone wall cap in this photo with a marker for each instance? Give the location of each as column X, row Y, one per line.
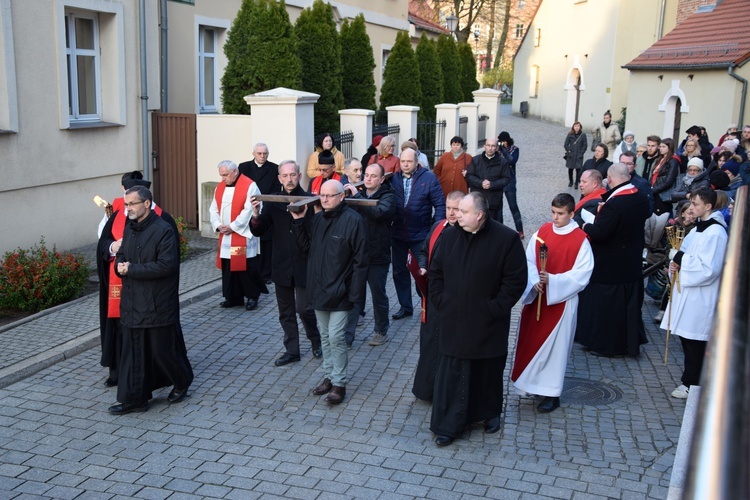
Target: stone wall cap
column 282, row 94
column 357, row 111
column 402, row 108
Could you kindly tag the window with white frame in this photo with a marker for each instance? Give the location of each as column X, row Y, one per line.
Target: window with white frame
column 519, row 30
column 208, row 90
column 8, row 95
column 84, row 65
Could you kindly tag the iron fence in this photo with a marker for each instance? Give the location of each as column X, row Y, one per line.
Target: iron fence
column 463, row 123
column 431, row 137
column 343, row 142
column 385, row 129
column 482, row 130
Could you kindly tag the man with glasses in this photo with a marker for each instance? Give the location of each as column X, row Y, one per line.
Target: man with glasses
column 336, row 242
column 327, row 169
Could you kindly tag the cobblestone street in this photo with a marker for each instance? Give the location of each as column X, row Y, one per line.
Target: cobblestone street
column 253, row 430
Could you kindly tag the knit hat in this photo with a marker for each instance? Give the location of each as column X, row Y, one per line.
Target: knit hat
column 694, row 130
column 376, row 140
column 504, row 137
column 719, row 180
column 731, row 166
column 326, row 158
column 628, row 133
column 731, row 145
column 695, row 162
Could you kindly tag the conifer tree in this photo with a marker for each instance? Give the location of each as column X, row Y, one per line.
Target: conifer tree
column 319, row 50
column 431, row 78
column 261, row 53
column 357, row 64
column 469, row 81
column 401, row 76
column 451, row 66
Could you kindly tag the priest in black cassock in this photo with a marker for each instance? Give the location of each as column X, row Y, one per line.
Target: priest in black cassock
column 476, row 276
column 609, row 308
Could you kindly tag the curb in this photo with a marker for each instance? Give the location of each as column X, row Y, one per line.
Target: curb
column 28, row 367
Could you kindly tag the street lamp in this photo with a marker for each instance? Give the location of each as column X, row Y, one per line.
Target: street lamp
column 452, row 24
column 476, row 46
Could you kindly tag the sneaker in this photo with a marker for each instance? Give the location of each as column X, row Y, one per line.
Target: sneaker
column 378, row 339
column 659, row 317
column 681, row 392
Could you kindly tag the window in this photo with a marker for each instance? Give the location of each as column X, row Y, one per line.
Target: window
column 538, row 37
column 8, row 95
column 519, row 30
column 534, row 82
column 83, row 64
column 386, row 54
column 207, row 70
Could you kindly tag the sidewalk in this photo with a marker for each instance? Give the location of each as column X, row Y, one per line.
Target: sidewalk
column 252, row 430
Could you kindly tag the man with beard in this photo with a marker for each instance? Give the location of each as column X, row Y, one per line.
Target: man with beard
column 424, row 377
column 647, row 160
column 265, row 174
column 289, row 265
column 148, row 261
column 477, row 274
column 230, row 211
column 609, row 310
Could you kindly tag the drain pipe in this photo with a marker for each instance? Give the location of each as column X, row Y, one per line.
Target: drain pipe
column 164, row 57
column 660, row 32
column 743, row 97
column 144, row 94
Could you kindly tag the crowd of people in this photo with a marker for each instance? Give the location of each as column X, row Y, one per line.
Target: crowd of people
column 440, row 231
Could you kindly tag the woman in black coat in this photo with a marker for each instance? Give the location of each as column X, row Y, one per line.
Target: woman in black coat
column 599, row 161
column 575, row 147
column 664, row 177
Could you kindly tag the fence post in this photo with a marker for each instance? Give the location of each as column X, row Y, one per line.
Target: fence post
column 471, row 111
column 489, row 104
column 449, row 113
column 359, row 121
column 284, row 119
column 406, row 118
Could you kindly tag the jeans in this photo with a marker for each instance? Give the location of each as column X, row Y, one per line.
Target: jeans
column 292, row 301
column 335, row 356
column 510, row 195
column 376, row 278
column 401, row 276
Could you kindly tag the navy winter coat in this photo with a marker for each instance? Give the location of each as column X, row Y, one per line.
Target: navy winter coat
column 413, row 221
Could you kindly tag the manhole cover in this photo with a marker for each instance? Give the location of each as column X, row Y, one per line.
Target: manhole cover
column 589, row 392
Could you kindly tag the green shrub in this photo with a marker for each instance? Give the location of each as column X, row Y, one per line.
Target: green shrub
column 431, row 78
column 452, row 68
column 469, row 81
column 358, row 65
column 184, row 240
column 401, row 75
column 39, row 278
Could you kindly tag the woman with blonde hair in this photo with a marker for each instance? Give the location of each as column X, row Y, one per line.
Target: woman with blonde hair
column 386, row 157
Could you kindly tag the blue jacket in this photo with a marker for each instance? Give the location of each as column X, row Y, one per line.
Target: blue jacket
column 413, row 221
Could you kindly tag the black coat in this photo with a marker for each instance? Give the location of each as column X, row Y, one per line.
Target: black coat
column 379, row 219
column 493, row 169
column 617, row 238
column 666, row 179
column 475, row 280
column 371, row 150
column 601, row 165
column 150, row 289
column 288, row 264
column 336, row 241
column 576, row 146
column 266, row 177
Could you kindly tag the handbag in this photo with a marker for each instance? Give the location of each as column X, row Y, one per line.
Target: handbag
column 565, row 156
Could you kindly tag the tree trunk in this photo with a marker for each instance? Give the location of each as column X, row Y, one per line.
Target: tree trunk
column 490, row 37
column 503, row 36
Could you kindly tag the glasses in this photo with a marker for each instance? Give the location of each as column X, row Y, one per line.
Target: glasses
column 326, row 196
column 628, row 163
column 129, row 205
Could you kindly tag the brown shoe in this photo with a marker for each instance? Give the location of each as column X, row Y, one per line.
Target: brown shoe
column 336, row 395
column 324, row 387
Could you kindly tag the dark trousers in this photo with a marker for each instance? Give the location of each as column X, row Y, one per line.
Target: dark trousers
column 292, row 301
column 264, row 259
column 236, row 285
column 401, row 276
column 510, row 195
column 377, row 274
column 578, row 175
column 694, row 351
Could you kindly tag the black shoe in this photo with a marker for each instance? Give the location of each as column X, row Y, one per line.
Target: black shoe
column 492, row 425
column 110, row 382
column 570, row 184
column 251, row 304
column 443, row 440
column 286, row 359
column 575, row 186
column 548, row 404
column 401, row 314
column 230, row 303
column 125, row 408
column 317, row 350
column 177, row 395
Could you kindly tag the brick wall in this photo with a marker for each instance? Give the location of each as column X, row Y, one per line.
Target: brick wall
column 688, row 7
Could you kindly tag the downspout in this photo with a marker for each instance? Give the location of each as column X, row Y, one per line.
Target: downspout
column 743, row 97
column 164, row 57
column 144, row 94
column 660, row 32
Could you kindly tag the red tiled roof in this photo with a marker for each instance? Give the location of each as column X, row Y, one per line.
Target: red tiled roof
column 424, row 24
column 421, row 15
column 716, row 39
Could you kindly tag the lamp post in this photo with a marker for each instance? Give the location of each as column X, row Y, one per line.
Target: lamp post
column 452, row 23
column 476, row 47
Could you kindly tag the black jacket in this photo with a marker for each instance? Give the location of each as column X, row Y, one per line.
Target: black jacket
column 150, row 289
column 475, row 293
column 666, row 179
column 371, row 150
column 576, row 146
column 266, row 177
column 288, row 264
column 601, row 165
column 379, row 219
column 493, row 169
column 617, row 238
column 336, row 241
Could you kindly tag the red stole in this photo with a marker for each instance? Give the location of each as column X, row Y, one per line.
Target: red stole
column 430, row 247
column 238, row 245
column 562, row 254
column 318, row 182
column 115, row 282
column 597, row 193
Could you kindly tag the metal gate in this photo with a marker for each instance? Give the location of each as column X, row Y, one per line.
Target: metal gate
column 174, row 156
column 431, row 140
